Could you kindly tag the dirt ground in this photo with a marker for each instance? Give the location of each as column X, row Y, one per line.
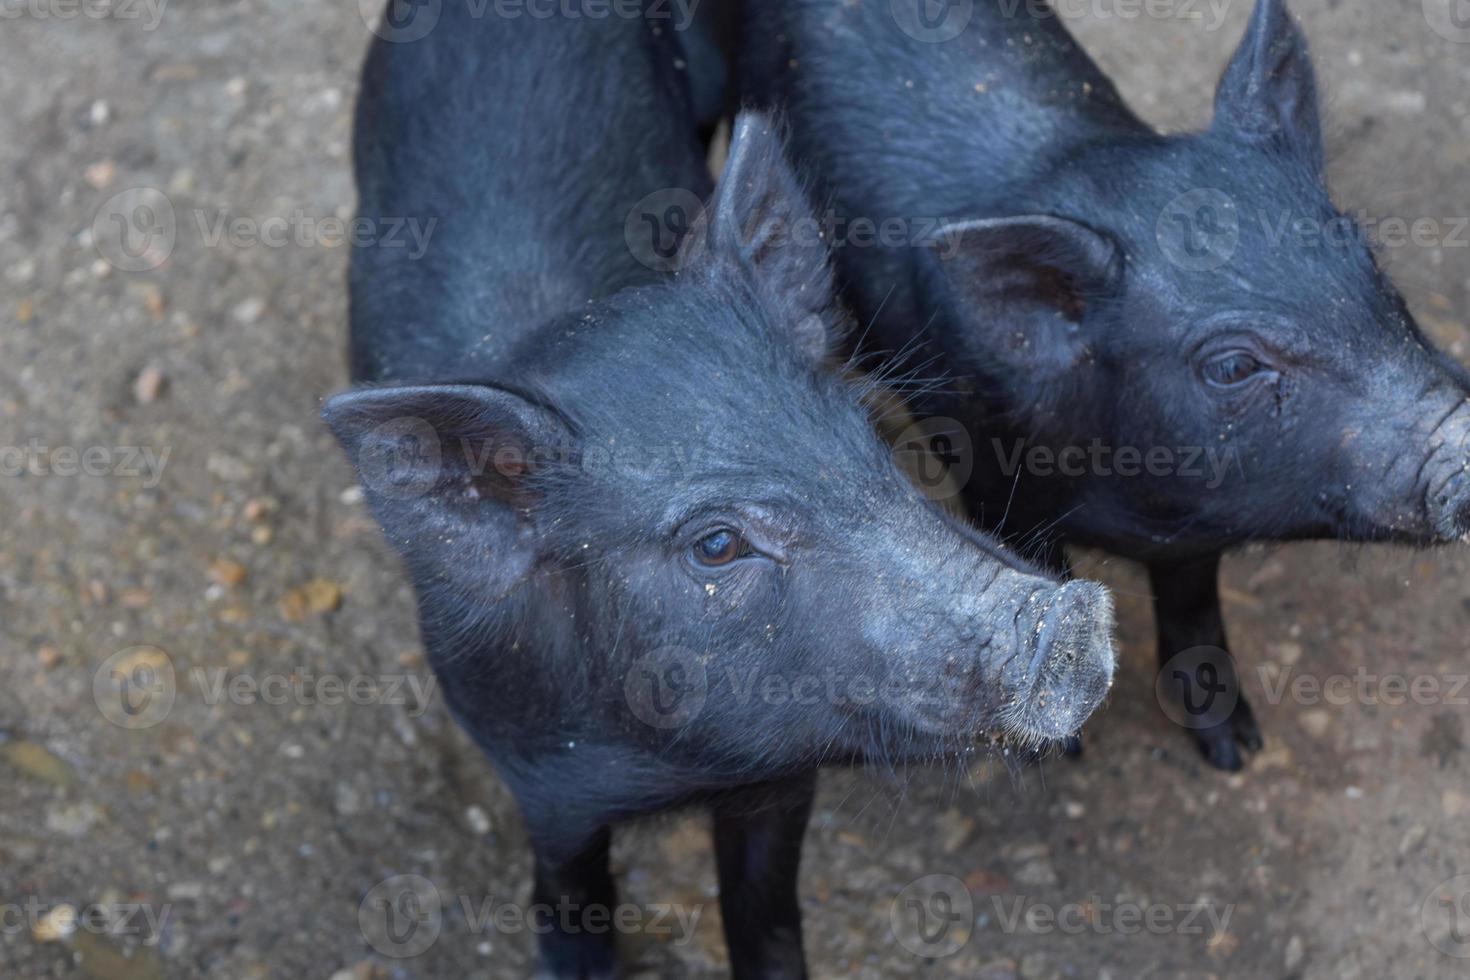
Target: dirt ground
column 241, row 832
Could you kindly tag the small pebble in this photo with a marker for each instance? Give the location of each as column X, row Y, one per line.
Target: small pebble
column 101, row 174
column 1296, row 953
column 58, row 924
column 478, row 820
column 227, row 573
column 1453, row 802
column 1287, row 653
column 1316, row 722
column 323, row 595
column 148, row 385
column 249, row 310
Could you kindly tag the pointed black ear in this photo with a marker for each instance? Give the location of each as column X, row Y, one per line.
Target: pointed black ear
column 449, row 471
column 1269, row 90
column 1021, row 285
column 761, row 221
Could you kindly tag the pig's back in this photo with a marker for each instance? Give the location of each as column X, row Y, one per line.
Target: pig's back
column 963, row 117
column 525, row 141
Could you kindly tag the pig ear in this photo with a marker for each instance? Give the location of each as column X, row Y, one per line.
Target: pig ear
column 450, row 472
column 761, row 222
column 1269, row 90
column 1024, row 283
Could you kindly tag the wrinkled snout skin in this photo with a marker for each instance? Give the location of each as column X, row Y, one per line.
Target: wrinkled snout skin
column 1410, row 466
column 976, row 647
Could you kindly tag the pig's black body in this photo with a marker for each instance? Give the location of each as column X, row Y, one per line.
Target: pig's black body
column 607, row 481
column 1076, row 297
column 498, row 102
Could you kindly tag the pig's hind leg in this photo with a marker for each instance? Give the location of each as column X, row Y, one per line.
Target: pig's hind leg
column 758, row 833
column 1199, row 670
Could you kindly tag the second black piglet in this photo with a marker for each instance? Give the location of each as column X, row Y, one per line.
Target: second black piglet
column 1162, row 346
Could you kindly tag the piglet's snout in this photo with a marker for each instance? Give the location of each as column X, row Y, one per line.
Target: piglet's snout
column 1447, row 496
column 1070, row 667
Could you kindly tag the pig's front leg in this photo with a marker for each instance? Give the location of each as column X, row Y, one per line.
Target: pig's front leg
column 758, row 834
column 1199, row 672
column 566, row 888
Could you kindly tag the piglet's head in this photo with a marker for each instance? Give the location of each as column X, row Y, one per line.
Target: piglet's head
column 1201, row 293
column 677, row 526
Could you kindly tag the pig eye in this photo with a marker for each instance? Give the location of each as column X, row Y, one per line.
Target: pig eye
column 1232, row 369
column 720, row 548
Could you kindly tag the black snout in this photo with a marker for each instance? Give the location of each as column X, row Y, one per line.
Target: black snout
column 1071, row 667
column 1449, row 506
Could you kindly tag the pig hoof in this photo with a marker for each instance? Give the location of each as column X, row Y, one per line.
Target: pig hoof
column 1220, row 750
column 1221, row 744
column 1072, row 746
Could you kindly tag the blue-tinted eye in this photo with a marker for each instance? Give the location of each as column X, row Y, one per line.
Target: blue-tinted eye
column 719, row 548
column 1229, row 370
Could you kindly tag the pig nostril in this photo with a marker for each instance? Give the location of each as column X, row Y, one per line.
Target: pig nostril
column 1073, row 628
